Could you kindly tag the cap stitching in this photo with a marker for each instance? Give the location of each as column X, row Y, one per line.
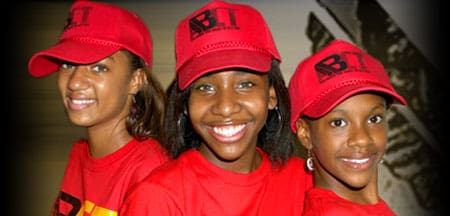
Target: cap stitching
column 343, row 84
column 229, row 44
column 93, row 41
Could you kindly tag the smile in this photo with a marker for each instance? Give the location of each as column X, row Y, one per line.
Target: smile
column 82, row 102
column 358, row 161
column 228, row 131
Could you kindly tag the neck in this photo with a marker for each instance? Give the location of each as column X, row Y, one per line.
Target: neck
column 105, row 142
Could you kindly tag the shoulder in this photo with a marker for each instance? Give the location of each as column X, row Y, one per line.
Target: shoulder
column 153, row 148
column 296, row 166
column 79, row 148
column 163, row 183
column 321, row 209
column 145, row 156
column 150, row 197
column 324, row 207
column 293, row 173
column 148, row 151
column 320, row 202
column 326, row 202
column 296, row 161
column 169, row 173
column 80, row 145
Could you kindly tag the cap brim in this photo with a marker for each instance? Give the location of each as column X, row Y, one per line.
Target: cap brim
column 46, row 62
column 326, row 103
column 220, row 60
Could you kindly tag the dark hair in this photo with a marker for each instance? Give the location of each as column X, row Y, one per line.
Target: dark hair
column 275, row 138
column 148, row 108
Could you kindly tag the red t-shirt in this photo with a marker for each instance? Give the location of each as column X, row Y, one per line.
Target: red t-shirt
column 321, row 202
column 96, row 186
column 192, row 185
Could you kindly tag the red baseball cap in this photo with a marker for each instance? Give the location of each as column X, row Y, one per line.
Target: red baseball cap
column 222, row 35
column 92, row 32
column 334, row 73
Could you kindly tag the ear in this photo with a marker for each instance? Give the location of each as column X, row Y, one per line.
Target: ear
column 303, row 133
column 138, row 79
column 273, row 99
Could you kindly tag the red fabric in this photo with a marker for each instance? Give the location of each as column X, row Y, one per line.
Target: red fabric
column 331, row 75
column 321, row 202
column 222, row 35
column 97, row 186
column 191, row 185
column 93, row 31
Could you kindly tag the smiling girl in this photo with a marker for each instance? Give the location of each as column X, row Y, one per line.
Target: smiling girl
column 227, row 124
column 340, row 97
column 106, row 87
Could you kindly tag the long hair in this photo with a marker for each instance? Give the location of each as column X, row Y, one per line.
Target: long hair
column 147, row 111
column 275, row 138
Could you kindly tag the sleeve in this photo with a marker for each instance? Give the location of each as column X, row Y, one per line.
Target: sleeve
column 148, row 199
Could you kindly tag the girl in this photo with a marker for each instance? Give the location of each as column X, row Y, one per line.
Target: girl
column 226, row 124
column 106, row 86
column 339, row 102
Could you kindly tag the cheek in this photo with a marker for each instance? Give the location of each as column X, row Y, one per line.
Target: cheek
column 197, row 108
column 112, row 94
column 62, row 85
column 258, row 104
column 111, row 86
column 103, row 87
column 327, row 140
column 107, row 91
column 62, row 81
column 380, row 138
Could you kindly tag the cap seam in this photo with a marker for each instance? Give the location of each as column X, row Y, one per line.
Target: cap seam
column 340, row 85
column 231, row 45
column 93, row 41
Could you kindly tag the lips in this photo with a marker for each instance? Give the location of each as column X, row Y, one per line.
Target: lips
column 358, row 163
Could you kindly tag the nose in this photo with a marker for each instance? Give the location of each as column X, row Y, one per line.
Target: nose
column 226, row 103
column 360, row 136
column 78, row 79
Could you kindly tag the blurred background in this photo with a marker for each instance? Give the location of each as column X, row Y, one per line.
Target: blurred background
column 402, row 34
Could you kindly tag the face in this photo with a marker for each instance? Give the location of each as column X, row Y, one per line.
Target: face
column 228, row 109
column 347, row 143
column 98, row 95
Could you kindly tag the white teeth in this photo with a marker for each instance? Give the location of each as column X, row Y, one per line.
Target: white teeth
column 80, row 102
column 229, row 130
column 359, row 161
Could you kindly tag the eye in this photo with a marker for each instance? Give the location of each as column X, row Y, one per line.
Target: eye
column 204, row 88
column 245, row 84
column 66, row 66
column 338, row 123
column 375, row 119
column 99, row 68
